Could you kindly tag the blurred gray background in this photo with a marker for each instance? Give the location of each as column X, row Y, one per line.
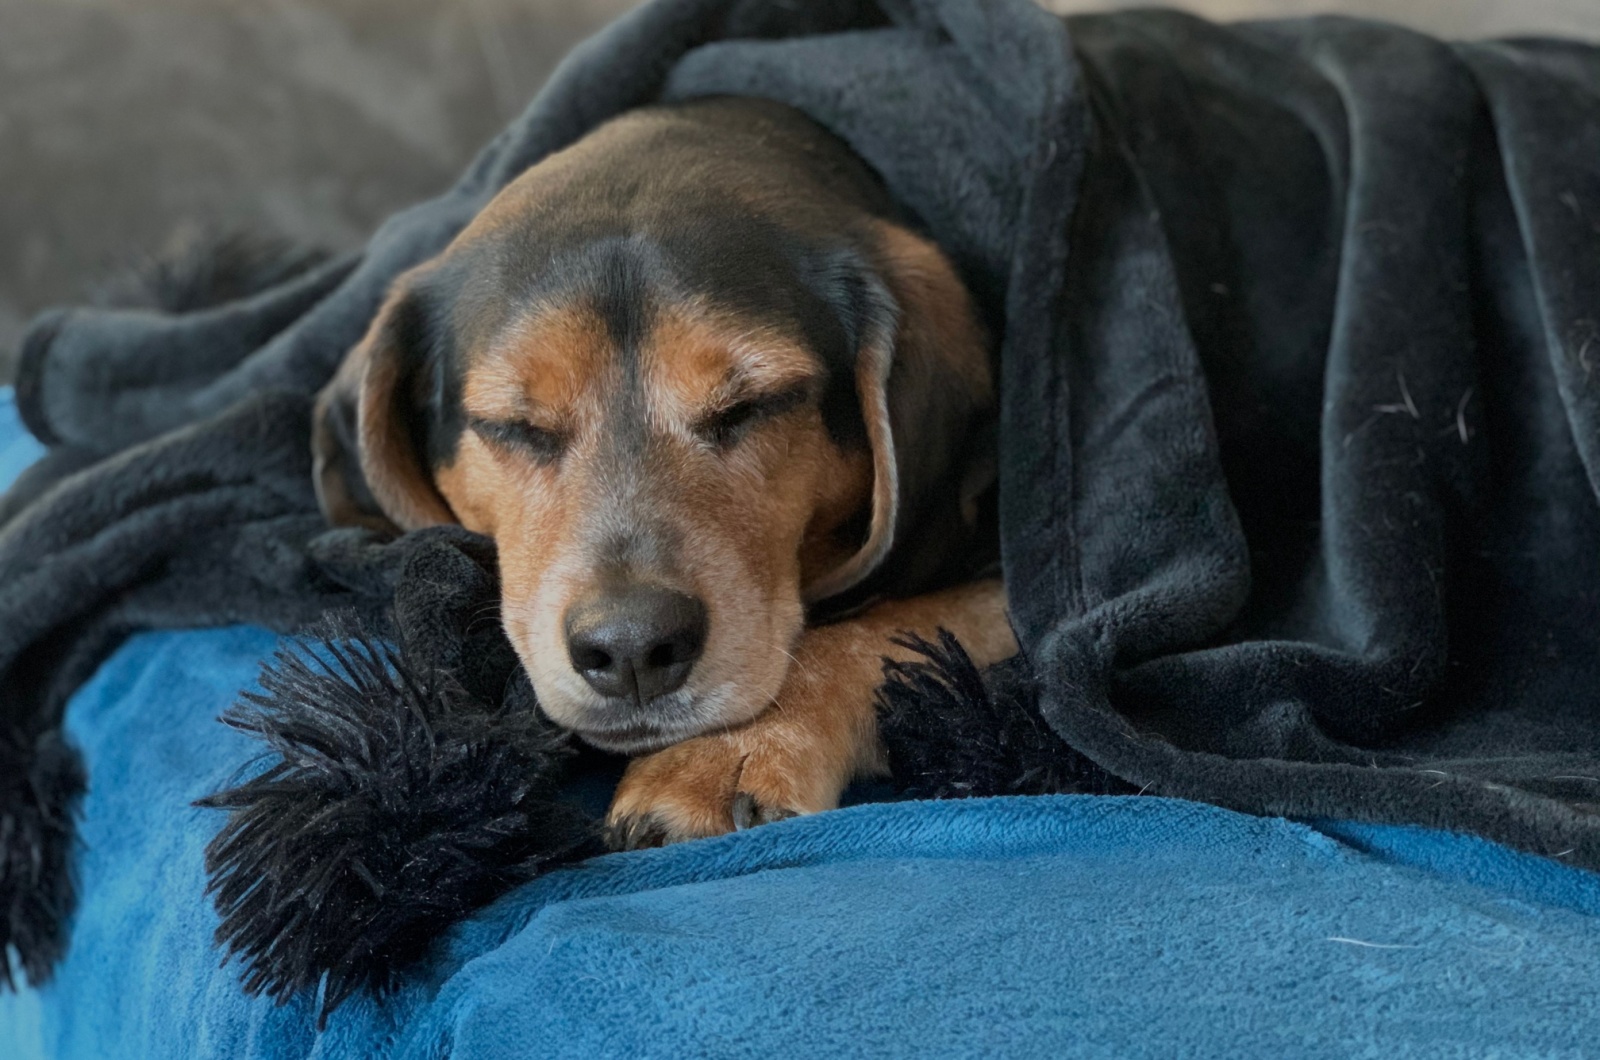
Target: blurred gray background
column 125, row 124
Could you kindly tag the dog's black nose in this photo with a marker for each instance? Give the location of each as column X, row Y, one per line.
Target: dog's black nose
column 637, row 643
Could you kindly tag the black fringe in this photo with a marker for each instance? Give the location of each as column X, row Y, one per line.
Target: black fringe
column 399, row 806
column 39, row 791
column 953, row 732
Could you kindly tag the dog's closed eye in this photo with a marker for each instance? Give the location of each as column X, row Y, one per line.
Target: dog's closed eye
column 727, row 426
column 520, row 436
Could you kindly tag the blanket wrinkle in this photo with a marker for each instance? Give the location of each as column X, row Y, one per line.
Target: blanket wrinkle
column 1299, row 428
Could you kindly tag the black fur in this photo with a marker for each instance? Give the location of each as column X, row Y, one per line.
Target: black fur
column 952, row 732
column 398, row 805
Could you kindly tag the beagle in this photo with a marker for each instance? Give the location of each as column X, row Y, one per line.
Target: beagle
column 724, row 415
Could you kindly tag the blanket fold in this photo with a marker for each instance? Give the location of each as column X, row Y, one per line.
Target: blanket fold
column 1380, row 594
column 1299, row 406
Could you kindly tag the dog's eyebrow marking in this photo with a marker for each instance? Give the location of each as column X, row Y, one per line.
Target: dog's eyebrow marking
column 539, row 366
column 740, row 383
column 702, row 364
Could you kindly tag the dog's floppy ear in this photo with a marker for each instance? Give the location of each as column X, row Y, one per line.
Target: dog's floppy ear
column 366, row 440
column 926, row 393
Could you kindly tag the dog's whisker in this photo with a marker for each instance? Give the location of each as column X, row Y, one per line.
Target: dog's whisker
column 805, row 670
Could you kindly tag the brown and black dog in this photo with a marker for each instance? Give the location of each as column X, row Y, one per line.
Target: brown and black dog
column 696, row 381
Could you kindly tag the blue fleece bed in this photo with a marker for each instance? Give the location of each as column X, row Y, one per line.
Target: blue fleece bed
column 1062, row 926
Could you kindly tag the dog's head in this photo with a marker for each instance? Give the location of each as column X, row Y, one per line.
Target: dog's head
column 692, row 379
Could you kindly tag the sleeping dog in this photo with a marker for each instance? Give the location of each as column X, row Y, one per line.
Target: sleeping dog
column 725, row 416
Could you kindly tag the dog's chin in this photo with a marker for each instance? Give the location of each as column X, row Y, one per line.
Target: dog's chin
column 714, row 704
column 632, row 742
column 633, row 730
column 643, row 733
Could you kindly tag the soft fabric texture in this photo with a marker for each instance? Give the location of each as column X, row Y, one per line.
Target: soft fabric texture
column 1298, row 429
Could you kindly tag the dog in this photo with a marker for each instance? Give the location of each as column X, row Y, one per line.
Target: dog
column 729, row 420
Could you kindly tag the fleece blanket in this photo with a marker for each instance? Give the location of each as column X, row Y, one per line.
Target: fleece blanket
column 1298, row 441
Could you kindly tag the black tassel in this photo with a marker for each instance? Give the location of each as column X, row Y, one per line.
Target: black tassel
column 399, row 806
column 951, row 731
column 39, row 791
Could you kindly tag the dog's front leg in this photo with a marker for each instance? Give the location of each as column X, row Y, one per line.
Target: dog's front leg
column 819, row 734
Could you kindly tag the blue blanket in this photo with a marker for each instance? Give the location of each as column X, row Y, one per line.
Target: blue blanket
column 1070, row 926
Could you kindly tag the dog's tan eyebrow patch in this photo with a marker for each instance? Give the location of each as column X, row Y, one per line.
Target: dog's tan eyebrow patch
column 540, row 369
column 695, row 362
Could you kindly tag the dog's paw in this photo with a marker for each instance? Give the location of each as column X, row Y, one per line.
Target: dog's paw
column 716, row 784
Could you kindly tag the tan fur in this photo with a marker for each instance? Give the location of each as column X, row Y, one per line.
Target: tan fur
column 936, row 310
column 820, row 734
